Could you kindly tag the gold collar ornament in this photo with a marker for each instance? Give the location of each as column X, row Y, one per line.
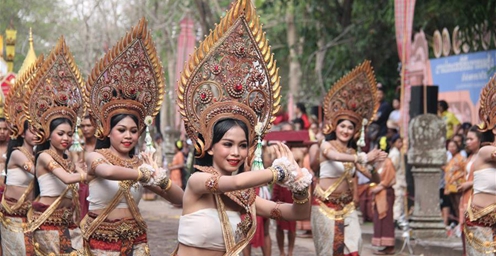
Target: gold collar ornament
column 54, row 92
column 353, row 98
column 127, row 80
column 15, row 106
column 232, row 74
column 487, row 109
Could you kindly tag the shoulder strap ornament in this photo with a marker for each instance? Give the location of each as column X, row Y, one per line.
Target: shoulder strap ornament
column 232, row 74
column 127, row 80
column 353, row 97
column 54, row 92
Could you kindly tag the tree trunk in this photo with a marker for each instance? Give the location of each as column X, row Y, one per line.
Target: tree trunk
column 319, row 61
column 294, row 63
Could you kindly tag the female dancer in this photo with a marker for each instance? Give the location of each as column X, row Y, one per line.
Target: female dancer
column 480, row 222
column 351, row 100
column 18, row 194
column 54, row 102
column 228, row 95
column 121, row 105
column 473, row 142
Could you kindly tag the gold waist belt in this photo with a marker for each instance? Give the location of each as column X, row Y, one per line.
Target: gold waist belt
column 21, row 212
column 485, row 216
column 338, row 213
column 113, row 231
column 60, row 217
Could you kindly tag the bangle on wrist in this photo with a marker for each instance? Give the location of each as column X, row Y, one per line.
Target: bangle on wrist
column 356, row 158
column 300, row 201
column 82, row 178
column 139, row 175
column 274, row 175
column 146, row 175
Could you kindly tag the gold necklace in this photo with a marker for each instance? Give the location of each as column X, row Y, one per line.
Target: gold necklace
column 131, row 163
column 28, row 154
column 65, row 163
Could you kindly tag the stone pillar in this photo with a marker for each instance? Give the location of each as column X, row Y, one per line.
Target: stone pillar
column 427, row 153
column 170, row 135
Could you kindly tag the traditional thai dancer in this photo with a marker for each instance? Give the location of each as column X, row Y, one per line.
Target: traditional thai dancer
column 228, row 95
column 54, row 103
column 480, row 222
column 18, row 194
column 347, row 107
column 124, row 92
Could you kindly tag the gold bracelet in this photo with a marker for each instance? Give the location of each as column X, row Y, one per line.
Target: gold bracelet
column 300, row 201
column 82, row 178
column 139, row 175
column 169, row 185
column 274, row 175
column 356, row 158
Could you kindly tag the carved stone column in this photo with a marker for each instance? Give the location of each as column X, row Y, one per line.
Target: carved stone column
column 427, row 153
column 170, row 135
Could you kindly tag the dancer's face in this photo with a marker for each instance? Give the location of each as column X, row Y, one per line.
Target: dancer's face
column 472, row 142
column 29, row 137
column 230, row 152
column 124, row 136
column 61, row 137
column 4, row 132
column 345, row 131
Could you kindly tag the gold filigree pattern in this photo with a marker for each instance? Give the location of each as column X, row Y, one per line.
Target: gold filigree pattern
column 54, row 92
column 353, row 97
column 127, row 80
column 15, row 107
column 487, row 109
column 232, row 74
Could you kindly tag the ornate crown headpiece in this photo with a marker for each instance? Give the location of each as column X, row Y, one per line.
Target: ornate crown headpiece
column 232, row 74
column 353, row 97
column 54, row 92
column 127, row 80
column 487, row 109
column 15, row 106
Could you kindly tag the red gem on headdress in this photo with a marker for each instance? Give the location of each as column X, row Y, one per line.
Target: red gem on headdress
column 132, row 91
column 216, row 68
column 61, row 73
column 203, row 95
column 241, row 49
column 238, row 87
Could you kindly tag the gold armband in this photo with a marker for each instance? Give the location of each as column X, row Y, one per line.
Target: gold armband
column 212, row 184
column 96, row 163
column 27, row 166
column 52, row 165
column 324, row 152
column 276, row 213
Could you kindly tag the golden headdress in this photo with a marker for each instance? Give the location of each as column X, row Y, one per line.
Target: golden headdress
column 54, row 92
column 127, row 80
column 232, row 74
column 487, row 109
column 353, row 97
column 15, row 106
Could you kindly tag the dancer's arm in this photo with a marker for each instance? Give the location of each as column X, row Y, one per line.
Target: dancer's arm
column 46, row 163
